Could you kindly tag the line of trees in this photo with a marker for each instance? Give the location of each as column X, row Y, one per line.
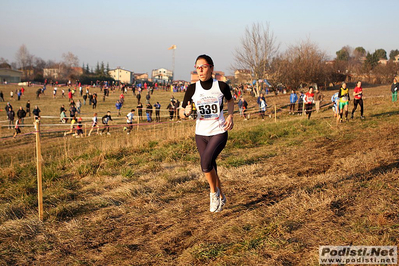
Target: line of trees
column 68, row 68
column 92, row 75
column 375, row 67
column 305, row 63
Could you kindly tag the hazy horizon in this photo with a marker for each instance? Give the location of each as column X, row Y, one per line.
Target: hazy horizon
column 136, row 35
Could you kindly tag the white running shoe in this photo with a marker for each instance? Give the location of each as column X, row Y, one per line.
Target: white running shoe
column 214, row 201
column 222, row 203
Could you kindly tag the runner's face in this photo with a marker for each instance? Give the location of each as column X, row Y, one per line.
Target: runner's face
column 204, row 70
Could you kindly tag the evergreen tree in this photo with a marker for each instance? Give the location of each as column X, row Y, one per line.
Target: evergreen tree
column 98, row 71
column 393, row 53
column 380, row 54
column 343, row 54
column 360, row 51
column 371, row 61
column 107, row 74
column 102, row 70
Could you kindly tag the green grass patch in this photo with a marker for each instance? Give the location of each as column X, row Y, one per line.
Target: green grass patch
column 127, row 172
column 208, row 252
column 236, row 161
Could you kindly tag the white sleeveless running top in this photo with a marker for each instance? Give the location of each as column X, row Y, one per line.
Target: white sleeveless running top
column 210, row 118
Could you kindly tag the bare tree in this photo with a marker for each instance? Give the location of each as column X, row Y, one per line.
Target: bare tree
column 50, row 63
column 23, row 57
column 301, row 64
column 3, row 60
column 70, row 60
column 258, row 48
column 39, row 63
column 385, row 73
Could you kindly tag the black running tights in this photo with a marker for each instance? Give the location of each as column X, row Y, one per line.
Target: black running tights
column 209, row 147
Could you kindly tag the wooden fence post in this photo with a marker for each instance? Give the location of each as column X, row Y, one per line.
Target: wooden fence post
column 39, row 170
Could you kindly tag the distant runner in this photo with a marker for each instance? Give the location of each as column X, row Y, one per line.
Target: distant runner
column 358, row 99
column 343, row 96
column 394, row 90
column 335, row 108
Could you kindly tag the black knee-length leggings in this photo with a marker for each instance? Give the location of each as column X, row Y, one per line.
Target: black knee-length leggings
column 209, row 147
column 355, row 103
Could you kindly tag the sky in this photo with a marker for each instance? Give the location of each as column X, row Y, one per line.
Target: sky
column 136, row 35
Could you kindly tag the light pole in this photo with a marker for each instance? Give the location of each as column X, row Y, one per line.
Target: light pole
column 173, row 47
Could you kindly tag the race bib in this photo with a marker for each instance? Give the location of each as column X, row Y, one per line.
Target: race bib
column 208, row 108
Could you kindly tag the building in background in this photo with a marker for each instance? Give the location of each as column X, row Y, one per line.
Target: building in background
column 54, row 72
column 28, row 73
column 60, row 72
column 140, row 78
column 243, row 76
column 162, row 76
column 122, row 75
column 218, row 75
column 8, row 75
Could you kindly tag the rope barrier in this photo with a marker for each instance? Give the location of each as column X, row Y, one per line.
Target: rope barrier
column 43, row 126
column 61, row 126
column 330, row 104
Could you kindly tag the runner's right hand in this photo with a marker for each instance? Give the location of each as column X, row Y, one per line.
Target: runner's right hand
column 188, row 108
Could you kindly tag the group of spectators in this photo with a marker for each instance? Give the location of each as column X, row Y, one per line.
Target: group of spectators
column 300, row 103
column 74, row 110
column 173, row 108
column 301, row 99
column 20, row 115
column 307, row 102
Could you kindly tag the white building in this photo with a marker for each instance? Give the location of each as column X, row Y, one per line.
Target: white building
column 162, row 75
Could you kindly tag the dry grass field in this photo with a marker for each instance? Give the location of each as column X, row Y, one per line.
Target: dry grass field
column 141, row 199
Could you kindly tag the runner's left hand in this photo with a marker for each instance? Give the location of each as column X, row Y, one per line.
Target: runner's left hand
column 229, row 124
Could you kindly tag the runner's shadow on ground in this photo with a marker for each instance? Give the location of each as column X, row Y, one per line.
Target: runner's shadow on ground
column 267, row 199
column 270, row 198
column 378, row 170
column 386, row 114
